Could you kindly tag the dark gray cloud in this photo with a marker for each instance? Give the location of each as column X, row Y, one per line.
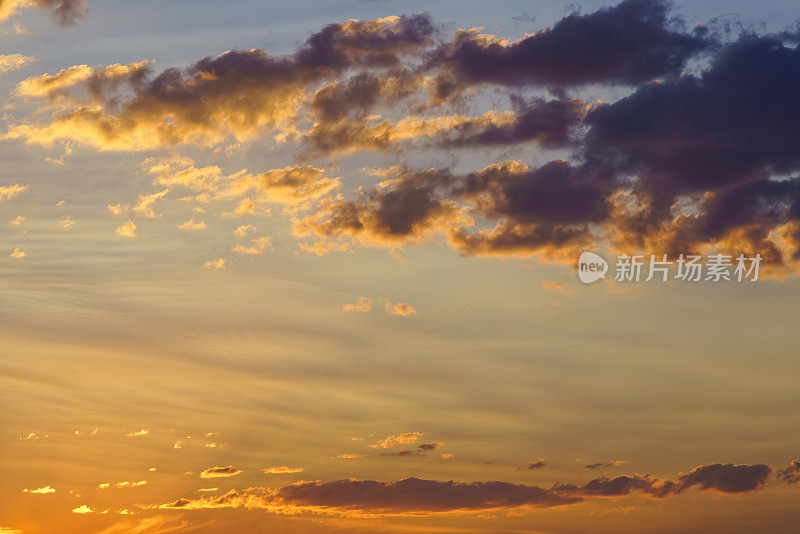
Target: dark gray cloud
column 724, row 478
column 64, row 12
column 419, row 496
column 536, row 464
column 598, row 465
column 791, row 473
column 632, row 42
column 735, row 122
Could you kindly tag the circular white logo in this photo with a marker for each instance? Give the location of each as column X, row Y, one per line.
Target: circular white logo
column 591, row 267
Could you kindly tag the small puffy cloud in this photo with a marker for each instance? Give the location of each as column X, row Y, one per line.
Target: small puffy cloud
column 177, row 445
column 138, row 433
column 145, row 203
column 126, row 230
column 10, row 191
column 447, row 456
column 18, row 220
column 400, row 308
column 219, row 263
column 535, row 464
column 430, row 446
column 391, row 442
column 104, row 485
column 363, row 304
column 143, row 207
column 66, row 222
column 82, row 509
column 257, row 246
column 245, row 229
column 191, row 224
column 17, row 253
column 220, row 472
column 350, row 456
column 282, row 470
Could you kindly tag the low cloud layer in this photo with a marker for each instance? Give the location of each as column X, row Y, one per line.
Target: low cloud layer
column 421, row 497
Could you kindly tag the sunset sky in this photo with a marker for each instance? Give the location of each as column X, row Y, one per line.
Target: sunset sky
column 310, row 266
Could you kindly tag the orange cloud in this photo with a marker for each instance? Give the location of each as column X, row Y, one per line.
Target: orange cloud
column 363, row 304
column 220, row 472
column 126, row 230
column 10, row 191
column 218, row 264
column 192, row 225
column 82, row 509
column 552, row 285
column 244, row 229
column 238, row 95
column 282, row 469
column 41, row 491
column 391, row 442
column 257, row 246
column 10, row 62
column 350, row 456
column 131, row 484
column 400, row 308
column 66, row 222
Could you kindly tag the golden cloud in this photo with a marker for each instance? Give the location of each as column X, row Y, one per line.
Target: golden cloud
column 282, row 470
column 220, row 472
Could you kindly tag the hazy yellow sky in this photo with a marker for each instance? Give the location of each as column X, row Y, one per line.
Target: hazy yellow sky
column 324, row 280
